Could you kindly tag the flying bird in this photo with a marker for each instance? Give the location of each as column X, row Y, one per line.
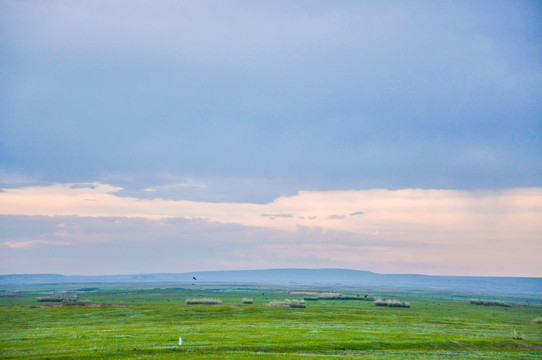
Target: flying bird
column 193, row 277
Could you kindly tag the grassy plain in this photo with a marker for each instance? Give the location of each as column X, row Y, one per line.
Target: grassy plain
column 148, row 322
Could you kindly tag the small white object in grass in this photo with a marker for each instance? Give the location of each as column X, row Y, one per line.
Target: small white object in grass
column 180, row 341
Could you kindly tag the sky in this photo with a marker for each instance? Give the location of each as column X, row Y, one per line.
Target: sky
column 175, row 136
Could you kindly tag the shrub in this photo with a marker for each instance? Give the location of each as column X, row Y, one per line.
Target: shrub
column 298, row 304
column 247, row 301
column 391, row 303
column 396, row 303
column 516, row 335
column 316, row 293
column 48, row 299
column 203, row 301
column 346, row 297
column 66, row 299
column 489, row 302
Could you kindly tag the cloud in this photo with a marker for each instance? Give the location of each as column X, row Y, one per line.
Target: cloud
column 33, row 243
column 504, row 214
column 83, row 186
column 225, row 189
column 406, row 222
column 214, row 113
column 202, row 32
column 317, row 77
column 277, row 215
column 77, row 245
column 171, row 244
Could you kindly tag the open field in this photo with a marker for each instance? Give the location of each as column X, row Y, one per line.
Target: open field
column 146, row 323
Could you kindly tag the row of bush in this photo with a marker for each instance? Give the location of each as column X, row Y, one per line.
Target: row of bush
column 203, row 301
column 65, row 299
column 391, row 303
column 209, row 301
column 292, row 303
column 340, row 297
column 288, row 303
column 489, row 302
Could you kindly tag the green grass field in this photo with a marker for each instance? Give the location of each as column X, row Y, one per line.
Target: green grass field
column 150, row 321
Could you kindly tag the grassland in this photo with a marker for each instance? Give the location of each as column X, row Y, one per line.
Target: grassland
column 146, row 323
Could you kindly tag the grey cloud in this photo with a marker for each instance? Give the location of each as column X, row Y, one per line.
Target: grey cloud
column 335, row 217
column 83, row 186
column 211, row 32
column 277, row 215
column 208, row 189
column 463, row 94
column 357, row 213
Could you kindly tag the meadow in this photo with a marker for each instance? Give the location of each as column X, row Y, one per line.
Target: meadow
column 145, row 322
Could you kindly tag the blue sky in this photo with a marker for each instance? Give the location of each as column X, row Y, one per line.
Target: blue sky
column 251, row 102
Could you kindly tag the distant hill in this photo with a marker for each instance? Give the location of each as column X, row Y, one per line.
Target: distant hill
column 322, row 277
